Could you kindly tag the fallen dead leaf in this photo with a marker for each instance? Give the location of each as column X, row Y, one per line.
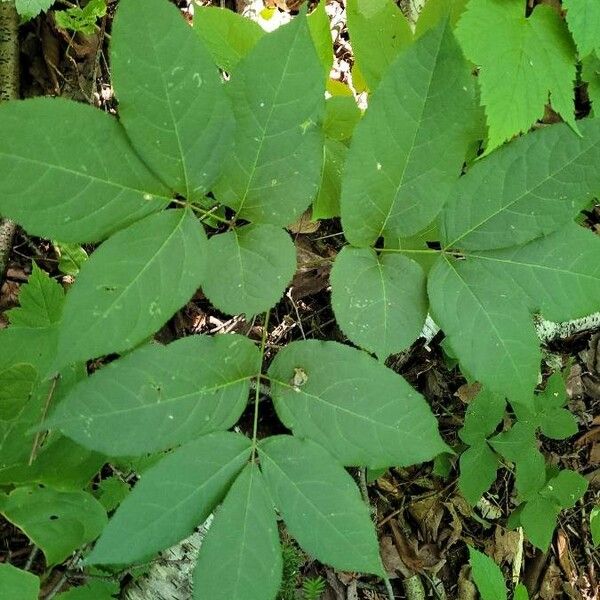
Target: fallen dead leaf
column 551, row 586
column 467, row 392
column 564, row 555
column 505, row 545
column 428, row 513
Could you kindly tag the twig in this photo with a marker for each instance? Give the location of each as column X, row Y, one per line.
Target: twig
column 38, row 434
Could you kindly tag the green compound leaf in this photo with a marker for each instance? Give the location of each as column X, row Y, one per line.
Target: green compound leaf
column 17, row 584
column 132, row 285
column 380, row 302
column 172, row 497
column 277, row 93
column 57, row 522
column 595, row 525
column 374, row 418
column 228, row 35
column 320, row 504
column 409, row 148
column 530, row 59
column 41, row 301
column 241, row 554
column 178, row 392
column 172, row 101
column 378, row 31
column 527, row 189
column 327, row 203
column 538, row 519
column 583, row 19
column 566, row 488
column 555, row 421
column 559, row 273
column 61, row 463
column 487, row 576
column 74, row 191
column 488, row 326
column 478, row 469
column 482, row 417
column 250, row 268
column 81, row 20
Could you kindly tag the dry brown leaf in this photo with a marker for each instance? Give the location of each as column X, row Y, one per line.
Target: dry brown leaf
column 564, row 555
column 505, row 545
column 466, row 588
column 428, row 513
column 551, row 587
column 390, row 557
column 304, row 224
column 468, row 391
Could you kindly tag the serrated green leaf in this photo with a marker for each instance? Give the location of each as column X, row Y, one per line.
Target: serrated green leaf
column 487, row 576
column 538, row 519
column 75, row 191
column 228, row 35
column 327, row 203
column 482, row 417
column 41, row 300
column 28, row 9
column 132, row 285
column 566, row 488
column 57, row 522
column 583, row 19
column 241, row 554
column 277, row 94
column 478, row 468
column 81, row 19
column 250, row 268
column 172, row 101
column 409, row 148
column 487, row 325
column 374, row 417
column 558, row 273
column 595, row 525
column 379, row 301
column 17, row 584
column 525, row 190
column 178, row 392
column 378, row 31
column 174, row 496
column 530, row 59
column 320, row 504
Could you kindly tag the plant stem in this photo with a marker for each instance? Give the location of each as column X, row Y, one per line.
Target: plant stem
column 263, row 345
column 9, row 90
column 409, row 250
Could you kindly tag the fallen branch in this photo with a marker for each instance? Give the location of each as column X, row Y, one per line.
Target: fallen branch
column 9, row 90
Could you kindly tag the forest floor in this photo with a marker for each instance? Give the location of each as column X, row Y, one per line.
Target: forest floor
column 424, row 524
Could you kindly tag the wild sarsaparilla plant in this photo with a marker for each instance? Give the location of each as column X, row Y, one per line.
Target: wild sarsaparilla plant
column 500, row 244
